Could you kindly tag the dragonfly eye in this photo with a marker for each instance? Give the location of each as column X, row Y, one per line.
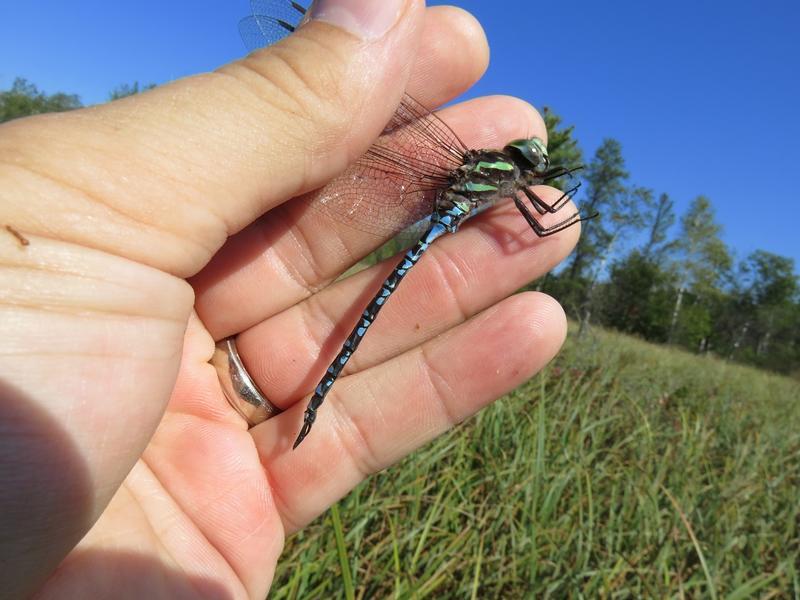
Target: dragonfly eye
column 531, row 153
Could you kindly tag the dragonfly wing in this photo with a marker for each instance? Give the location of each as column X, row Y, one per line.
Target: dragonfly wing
column 373, row 201
column 395, row 183
column 269, row 21
column 428, row 128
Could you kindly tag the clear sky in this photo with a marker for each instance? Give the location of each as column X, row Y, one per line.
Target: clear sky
column 703, row 95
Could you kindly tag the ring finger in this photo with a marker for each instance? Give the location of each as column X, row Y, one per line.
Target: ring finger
column 377, row 416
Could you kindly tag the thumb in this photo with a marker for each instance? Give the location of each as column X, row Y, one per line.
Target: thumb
column 165, row 177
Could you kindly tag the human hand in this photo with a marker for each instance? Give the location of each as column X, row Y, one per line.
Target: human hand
column 123, row 465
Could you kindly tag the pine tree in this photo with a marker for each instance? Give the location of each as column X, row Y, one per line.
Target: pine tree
column 562, row 147
column 605, row 178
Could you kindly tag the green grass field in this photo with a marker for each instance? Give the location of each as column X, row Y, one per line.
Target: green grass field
column 624, row 470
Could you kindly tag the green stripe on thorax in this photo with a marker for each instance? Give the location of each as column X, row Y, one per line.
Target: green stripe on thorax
column 471, row 186
column 500, row 165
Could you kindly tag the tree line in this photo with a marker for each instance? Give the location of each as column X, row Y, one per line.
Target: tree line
column 675, row 285
column 679, row 286
column 24, row 99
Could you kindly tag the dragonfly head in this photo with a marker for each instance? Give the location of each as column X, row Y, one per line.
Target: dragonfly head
column 530, row 155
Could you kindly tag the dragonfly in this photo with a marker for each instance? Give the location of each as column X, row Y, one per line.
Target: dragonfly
column 418, row 169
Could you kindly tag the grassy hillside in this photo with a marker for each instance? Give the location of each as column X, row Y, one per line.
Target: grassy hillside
column 625, row 469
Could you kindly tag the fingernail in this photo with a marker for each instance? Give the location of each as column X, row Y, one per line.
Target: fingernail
column 367, row 19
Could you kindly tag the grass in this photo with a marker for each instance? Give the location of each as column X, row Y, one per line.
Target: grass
column 624, row 470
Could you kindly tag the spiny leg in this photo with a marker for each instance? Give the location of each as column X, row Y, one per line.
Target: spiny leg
column 543, row 207
column 556, row 172
column 560, row 171
column 542, row 231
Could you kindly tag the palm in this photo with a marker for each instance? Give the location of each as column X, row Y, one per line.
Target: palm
column 197, row 508
column 210, row 502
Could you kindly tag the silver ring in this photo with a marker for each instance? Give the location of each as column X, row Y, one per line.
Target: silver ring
column 237, row 385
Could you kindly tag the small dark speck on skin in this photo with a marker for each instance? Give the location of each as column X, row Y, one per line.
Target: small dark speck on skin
column 23, row 241
column 416, row 327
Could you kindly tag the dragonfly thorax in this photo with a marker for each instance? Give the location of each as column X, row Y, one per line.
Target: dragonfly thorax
column 486, row 175
column 489, row 175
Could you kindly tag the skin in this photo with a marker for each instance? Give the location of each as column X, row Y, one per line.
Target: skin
column 163, row 222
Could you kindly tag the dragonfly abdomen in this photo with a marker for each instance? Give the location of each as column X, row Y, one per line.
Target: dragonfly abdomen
column 443, row 221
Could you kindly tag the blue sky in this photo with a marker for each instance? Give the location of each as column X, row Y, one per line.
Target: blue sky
column 702, row 95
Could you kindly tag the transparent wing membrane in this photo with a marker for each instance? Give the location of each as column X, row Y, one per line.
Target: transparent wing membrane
column 394, row 184
column 270, row 21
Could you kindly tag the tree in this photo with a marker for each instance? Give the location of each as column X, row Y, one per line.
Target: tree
column 663, row 217
column 638, row 297
column 703, row 263
column 605, row 176
column 124, row 90
column 562, row 147
column 619, row 208
column 24, row 99
column 624, row 215
column 773, row 280
column 767, row 298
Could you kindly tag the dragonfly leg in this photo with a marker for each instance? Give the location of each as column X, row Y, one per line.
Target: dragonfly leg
column 543, row 207
column 559, row 171
column 542, row 231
